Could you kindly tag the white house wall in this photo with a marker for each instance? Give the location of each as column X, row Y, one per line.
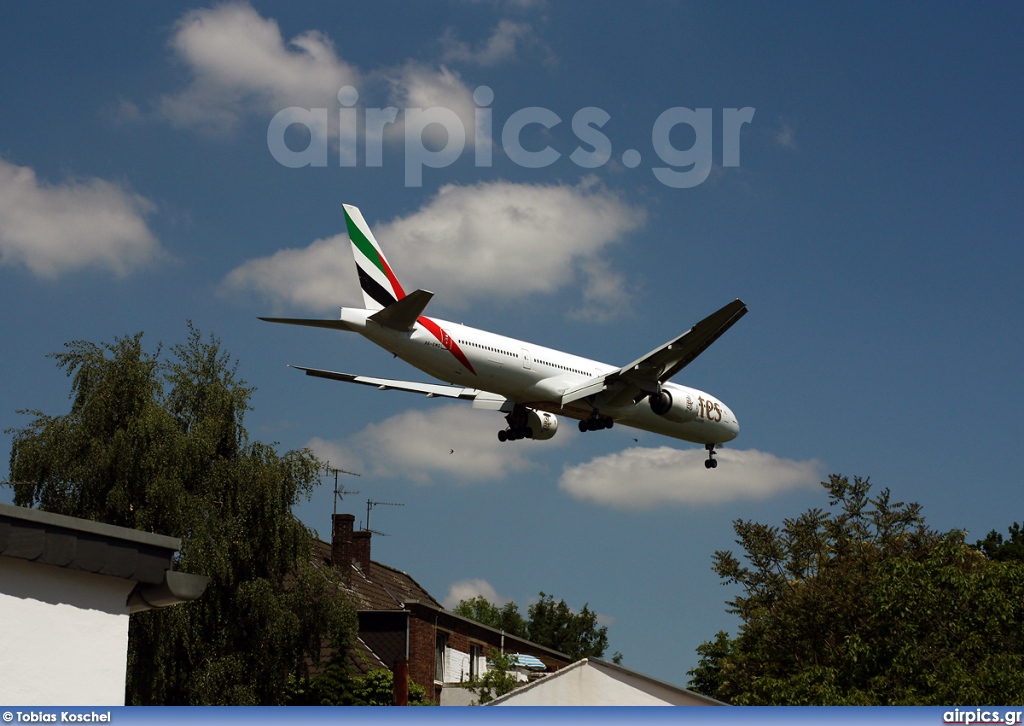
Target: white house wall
column 63, row 635
column 585, row 684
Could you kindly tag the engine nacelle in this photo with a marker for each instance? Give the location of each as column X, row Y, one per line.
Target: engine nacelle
column 677, row 407
column 542, row 425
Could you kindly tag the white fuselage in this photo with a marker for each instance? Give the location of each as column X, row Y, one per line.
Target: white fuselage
column 536, row 377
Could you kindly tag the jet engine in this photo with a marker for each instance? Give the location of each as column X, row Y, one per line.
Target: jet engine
column 542, row 425
column 677, row 407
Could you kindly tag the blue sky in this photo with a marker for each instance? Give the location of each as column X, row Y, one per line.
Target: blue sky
column 873, row 226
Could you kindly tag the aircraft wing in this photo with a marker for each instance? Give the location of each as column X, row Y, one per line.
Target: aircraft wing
column 645, row 374
column 431, row 390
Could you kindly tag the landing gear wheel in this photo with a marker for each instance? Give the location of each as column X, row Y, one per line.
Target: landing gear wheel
column 503, row 435
column 712, row 462
column 596, row 423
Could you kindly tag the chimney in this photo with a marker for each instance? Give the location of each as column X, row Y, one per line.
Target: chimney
column 361, row 550
column 341, row 540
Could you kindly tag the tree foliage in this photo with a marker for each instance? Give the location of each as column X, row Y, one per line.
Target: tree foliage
column 335, row 686
column 995, row 547
column 497, row 680
column 553, row 625
column 865, row 605
column 376, row 688
column 159, row 445
column 506, row 618
column 575, row 634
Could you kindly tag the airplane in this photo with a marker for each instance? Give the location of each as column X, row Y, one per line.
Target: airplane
column 532, row 385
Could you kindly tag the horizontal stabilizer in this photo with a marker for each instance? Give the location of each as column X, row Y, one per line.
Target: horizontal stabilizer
column 312, row 323
column 402, row 314
column 431, row 390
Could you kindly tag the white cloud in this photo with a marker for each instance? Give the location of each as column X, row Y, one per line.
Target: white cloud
column 490, row 241
column 453, row 442
column 54, row 229
column 317, row 277
column 416, row 85
column 642, row 479
column 470, row 588
column 500, row 47
column 605, row 296
column 505, row 240
column 240, row 63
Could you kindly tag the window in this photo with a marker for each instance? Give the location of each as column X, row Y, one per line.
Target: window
column 476, row 657
column 440, row 644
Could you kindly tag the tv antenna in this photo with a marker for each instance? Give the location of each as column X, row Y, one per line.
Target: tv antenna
column 370, row 505
column 340, row 493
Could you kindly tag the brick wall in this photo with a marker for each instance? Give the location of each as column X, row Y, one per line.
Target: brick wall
column 421, row 653
column 341, row 541
column 361, row 550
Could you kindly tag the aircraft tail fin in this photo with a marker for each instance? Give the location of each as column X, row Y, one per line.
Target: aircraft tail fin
column 379, row 283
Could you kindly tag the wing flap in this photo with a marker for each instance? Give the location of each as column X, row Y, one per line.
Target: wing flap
column 589, row 387
column 486, row 401
column 431, row 390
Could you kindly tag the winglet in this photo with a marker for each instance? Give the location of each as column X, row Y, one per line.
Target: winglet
column 401, row 315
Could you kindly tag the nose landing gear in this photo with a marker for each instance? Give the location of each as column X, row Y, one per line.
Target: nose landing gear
column 712, row 462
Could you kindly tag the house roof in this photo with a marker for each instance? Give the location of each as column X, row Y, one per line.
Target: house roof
column 102, row 549
column 382, row 588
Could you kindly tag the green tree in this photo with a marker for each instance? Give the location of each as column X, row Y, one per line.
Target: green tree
column 335, row 686
column 159, row 445
column 497, row 680
column 995, row 547
column 575, row 634
column 553, row 625
column 506, row 618
column 376, row 688
column 865, row 605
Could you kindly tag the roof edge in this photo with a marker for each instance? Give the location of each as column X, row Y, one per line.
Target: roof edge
column 550, row 651
column 88, row 526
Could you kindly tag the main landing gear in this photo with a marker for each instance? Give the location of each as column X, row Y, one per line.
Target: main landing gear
column 712, row 462
column 596, row 423
column 517, row 426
